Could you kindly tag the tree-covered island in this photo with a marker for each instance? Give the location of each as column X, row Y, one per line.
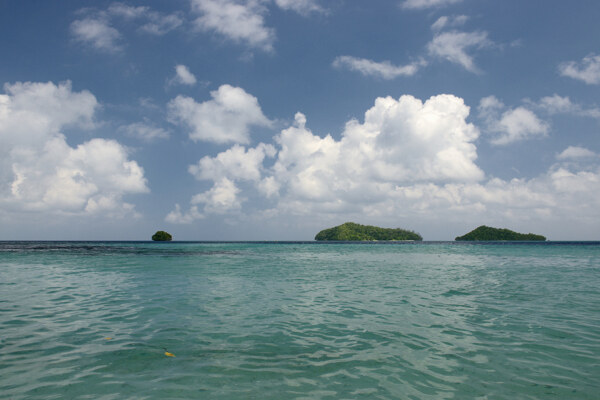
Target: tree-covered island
column 162, row 236
column 486, row 233
column 356, row 232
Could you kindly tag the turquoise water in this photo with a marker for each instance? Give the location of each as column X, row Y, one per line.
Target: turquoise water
column 299, row 321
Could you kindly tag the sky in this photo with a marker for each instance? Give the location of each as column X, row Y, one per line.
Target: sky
column 274, row 119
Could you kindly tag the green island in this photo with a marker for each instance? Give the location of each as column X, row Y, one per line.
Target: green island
column 162, row 236
column 486, row 233
column 356, row 232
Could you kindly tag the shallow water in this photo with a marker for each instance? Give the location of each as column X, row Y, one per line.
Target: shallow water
column 299, row 320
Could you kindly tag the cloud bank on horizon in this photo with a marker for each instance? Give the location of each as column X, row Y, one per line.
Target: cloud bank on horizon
column 270, row 119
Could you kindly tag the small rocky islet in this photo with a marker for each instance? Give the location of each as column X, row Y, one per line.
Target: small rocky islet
column 162, row 236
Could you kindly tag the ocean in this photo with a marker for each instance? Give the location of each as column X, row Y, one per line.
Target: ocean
column 306, row 320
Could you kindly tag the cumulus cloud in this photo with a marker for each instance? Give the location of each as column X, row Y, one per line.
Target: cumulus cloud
column 401, row 141
column 423, row 4
column 519, row 124
column 588, row 70
column 41, row 172
column 576, row 153
column 453, row 47
column 385, row 69
column 184, row 76
column 144, row 131
column 510, row 125
column 225, row 118
column 238, row 22
column 97, row 33
column 222, row 198
column 236, row 163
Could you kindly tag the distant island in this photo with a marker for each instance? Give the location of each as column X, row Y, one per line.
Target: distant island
column 356, row 232
column 486, row 233
column 162, row 236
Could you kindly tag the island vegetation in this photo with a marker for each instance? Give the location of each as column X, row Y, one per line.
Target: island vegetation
column 356, row 232
column 486, row 233
column 162, row 236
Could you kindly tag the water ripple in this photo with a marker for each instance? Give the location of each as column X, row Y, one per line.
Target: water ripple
column 299, row 321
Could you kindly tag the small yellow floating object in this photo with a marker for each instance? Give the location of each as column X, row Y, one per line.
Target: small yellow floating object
column 169, row 354
column 107, row 338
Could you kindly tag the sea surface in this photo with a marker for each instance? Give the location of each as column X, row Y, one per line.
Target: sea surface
column 140, row 320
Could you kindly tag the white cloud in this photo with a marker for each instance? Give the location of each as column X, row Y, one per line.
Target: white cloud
column 33, row 112
column 178, row 217
column 40, row 172
column 385, row 69
column 239, row 22
column 184, row 76
column 303, row 7
column 236, row 163
column 556, row 104
column 97, row 28
column 221, row 198
column 449, row 22
column 156, row 23
column 519, row 124
column 510, row 125
column 144, row 131
column 490, row 104
column 582, row 186
column 588, row 70
column 576, row 153
column 453, row 46
column 556, row 195
column 225, row 118
column 401, row 141
column 98, row 33
column 159, row 24
column 422, row 4
column 129, row 12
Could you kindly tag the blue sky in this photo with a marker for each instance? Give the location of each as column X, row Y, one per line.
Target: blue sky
column 273, row 119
